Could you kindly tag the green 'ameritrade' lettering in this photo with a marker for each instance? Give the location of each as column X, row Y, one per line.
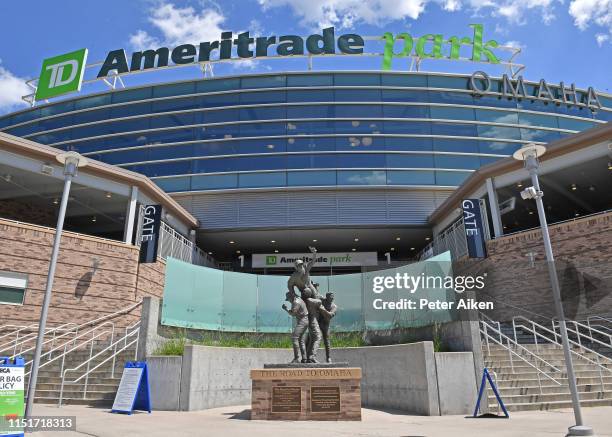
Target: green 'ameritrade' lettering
column 481, row 51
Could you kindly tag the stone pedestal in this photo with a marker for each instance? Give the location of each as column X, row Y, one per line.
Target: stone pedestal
column 306, row 392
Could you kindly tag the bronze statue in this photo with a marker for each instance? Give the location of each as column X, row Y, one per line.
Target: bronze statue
column 326, row 313
column 300, row 278
column 314, row 339
column 300, row 312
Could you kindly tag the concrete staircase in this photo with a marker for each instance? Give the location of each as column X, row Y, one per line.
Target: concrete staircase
column 518, row 382
column 101, row 384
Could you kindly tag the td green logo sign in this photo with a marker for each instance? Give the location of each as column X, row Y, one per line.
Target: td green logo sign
column 270, row 260
column 61, row 74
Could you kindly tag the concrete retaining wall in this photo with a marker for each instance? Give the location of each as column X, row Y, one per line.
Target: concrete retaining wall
column 408, row 377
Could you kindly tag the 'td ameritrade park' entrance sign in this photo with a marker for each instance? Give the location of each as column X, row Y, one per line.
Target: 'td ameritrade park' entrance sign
column 340, row 259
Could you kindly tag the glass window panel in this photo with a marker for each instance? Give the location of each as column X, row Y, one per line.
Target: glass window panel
column 211, row 85
column 167, row 136
column 174, row 89
column 407, row 80
column 4, row 121
column 408, row 143
column 496, row 101
column 131, row 95
column 455, row 145
column 606, row 102
column 262, row 113
column 262, row 129
column 169, row 152
column 407, row 127
column 218, row 132
column 539, row 135
column 263, row 97
column 313, row 161
column 455, row 129
column 451, row 113
column 369, row 177
column 401, row 111
column 310, row 127
column 310, row 96
column 604, row 115
column 370, row 111
column 93, row 101
column 211, row 182
column 359, row 126
column 163, row 169
column 500, row 132
column 435, row 81
column 497, row 116
column 311, row 178
column 450, row 97
column 397, row 160
column 498, row 147
column 172, row 120
column 10, row 295
column 24, row 116
column 174, row 104
column 364, row 142
column 311, row 144
column 404, row 96
column 457, row 161
column 53, row 137
column 261, row 163
column 345, row 79
column 271, row 145
column 216, row 165
column 311, row 111
column 31, row 128
column 126, row 156
column 122, row 111
column 576, row 111
column 273, row 179
column 538, row 120
column 451, row 178
column 410, row 177
column 264, row 82
column 56, row 108
column 361, row 160
column 173, row 184
column 357, row 95
column 217, row 116
column 216, row 148
column 219, row 100
column 122, row 126
column 573, row 124
column 310, row 80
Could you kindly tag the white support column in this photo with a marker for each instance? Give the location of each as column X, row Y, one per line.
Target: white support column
column 130, row 214
column 494, row 208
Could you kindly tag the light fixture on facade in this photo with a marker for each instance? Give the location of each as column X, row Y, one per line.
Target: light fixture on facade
column 573, row 187
column 427, row 238
column 591, row 187
column 353, row 249
column 231, row 242
column 94, row 219
column 355, row 239
column 237, row 251
column 108, row 194
column 56, row 201
column 314, row 241
column 519, row 184
column 275, row 250
column 412, row 248
column 210, row 253
column 272, row 241
column 392, row 249
column 398, row 238
column 609, row 165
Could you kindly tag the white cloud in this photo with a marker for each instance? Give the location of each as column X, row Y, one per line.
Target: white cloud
column 601, row 38
column 451, row 5
column 178, row 25
column 347, row 13
column 12, row 88
column 597, row 12
column 514, row 44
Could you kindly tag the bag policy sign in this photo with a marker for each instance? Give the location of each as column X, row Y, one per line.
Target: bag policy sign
column 151, row 221
column 474, row 231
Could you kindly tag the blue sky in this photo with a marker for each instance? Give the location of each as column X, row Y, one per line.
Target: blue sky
column 560, row 40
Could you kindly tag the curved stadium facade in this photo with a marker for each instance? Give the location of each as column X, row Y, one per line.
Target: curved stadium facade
column 304, row 151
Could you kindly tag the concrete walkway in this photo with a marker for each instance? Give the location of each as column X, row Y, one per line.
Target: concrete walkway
column 233, row 422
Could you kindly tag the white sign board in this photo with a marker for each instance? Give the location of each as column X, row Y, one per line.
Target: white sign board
column 126, row 393
column 337, row 259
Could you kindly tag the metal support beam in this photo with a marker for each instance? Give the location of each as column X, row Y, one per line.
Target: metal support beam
column 498, row 229
column 130, row 214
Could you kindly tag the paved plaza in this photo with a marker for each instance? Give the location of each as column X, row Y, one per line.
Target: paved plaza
column 233, row 422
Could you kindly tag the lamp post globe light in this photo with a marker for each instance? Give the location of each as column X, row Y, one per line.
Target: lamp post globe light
column 529, row 154
column 72, row 161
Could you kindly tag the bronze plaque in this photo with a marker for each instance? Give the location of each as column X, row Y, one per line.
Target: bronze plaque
column 325, row 399
column 286, row 399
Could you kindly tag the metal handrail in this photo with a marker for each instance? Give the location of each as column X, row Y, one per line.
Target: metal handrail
column 554, row 333
column 484, row 331
column 14, row 343
column 113, row 357
column 588, row 337
column 94, row 336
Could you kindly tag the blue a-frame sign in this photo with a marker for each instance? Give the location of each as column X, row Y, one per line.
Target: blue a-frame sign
column 134, row 392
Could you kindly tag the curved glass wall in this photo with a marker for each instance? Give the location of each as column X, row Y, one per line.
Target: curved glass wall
column 306, row 129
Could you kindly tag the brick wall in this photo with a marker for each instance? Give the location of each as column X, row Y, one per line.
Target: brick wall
column 94, row 276
column 583, row 255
